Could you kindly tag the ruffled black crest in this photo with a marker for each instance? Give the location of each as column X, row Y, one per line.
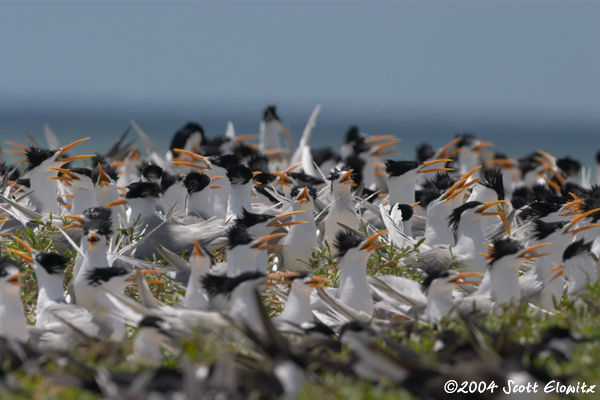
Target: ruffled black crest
column 24, row 182
column 406, row 210
column 196, row 182
column 356, row 164
column 296, row 190
column 221, row 284
column 334, row 175
column 424, row 153
column 142, row 190
column 11, row 170
column 167, row 180
column 270, row 114
column 504, row 247
column 151, row 321
column 344, row 241
column 321, row 155
column 152, row 172
column 237, row 235
column 590, row 204
column 82, row 171
column 353, row 135
column 53, row 263
column 542, row 230
column 265, row 178
column 99, row 220
column 108, row 170
column 542, row 192
column 181, row 136
column 225, row 161
column 258, row 162
column 239, row 174
column 35, row 156
column 466, row 139
column 99, row 275
column 303, row 178
column 250, row 219
column 431, row 274
column 440, row 181
column 569, row 166
column 398, row 168
column 6, row 264
column 426, row 196
column 539, row 209
column 576, row 248
column 492, row 178
column 455, row 215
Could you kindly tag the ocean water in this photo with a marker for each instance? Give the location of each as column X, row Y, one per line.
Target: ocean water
column 514, row 132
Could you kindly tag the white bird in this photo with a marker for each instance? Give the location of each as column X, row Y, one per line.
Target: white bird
column 12, row 316
column 341, row 208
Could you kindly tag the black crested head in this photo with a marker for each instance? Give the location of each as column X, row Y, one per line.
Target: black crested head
column 108, row 170
column 296, row 190
column 221, row 284
column 576, row 189
column 589, row 204
column 492, row 178
column 569, row 166
column 143, row 190
column 6, row 264
column 53, row 263
column 265, row 178
column 239, row 174
column 225, row 161
column 355, row 326
column 542, row 192
column 431, row 274
column 344, row 241
column 250, row 219
column 100, row 213
column 456, row 214
column 528, row 163
column 353, row 135
column 238, row 235
column 151, row 321
column 426, row 196
column 440, row 181
column 24, row 182
column 321, row 155
column 304, row 178
column 334, row 174
column 98, row 276
column 214, row 146
column 542, row 230
column 82, row 171
column 99, row 220
column 356, row 164
column 424, row 153
column 167, row 180
column 11, row 170
column 258, row 162
column 270, row 114
column 35, row 156
column 152, row 172
column 521, row 196
column 406, row 210
column 466, row 139
column 576, row 248
column 504, row 247
column 398, row 168
column 182, row 135
column 195, row 182
column 539, row 209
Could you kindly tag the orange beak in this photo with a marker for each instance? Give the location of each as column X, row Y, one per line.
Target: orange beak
column 103, row 179
column 528, row 250
column 14, row 280
column 265, row 239
column 433, row 162
column 346, row 178
column 197, row 249
column 93, row 239
column 118, row 202
column 368, row 244
column 464, row 275
column 68, row 147
column 304, row 197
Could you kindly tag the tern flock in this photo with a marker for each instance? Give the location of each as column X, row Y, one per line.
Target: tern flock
column 468, row 232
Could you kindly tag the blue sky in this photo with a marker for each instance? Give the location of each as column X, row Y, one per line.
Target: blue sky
column 503, row 54
column 470, row 59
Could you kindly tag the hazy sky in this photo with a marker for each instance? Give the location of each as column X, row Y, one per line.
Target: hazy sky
column 543, row 55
